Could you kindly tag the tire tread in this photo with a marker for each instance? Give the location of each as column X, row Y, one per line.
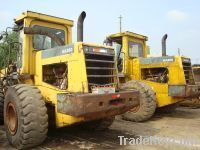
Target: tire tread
column 33, row 116
column 148, row 102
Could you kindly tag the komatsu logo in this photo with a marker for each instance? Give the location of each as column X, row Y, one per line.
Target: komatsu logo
column 67, row 51
column 58, row 51
column 168, row 60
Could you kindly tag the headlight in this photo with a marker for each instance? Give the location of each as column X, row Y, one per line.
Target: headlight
column 98, row 50
column 187, row 60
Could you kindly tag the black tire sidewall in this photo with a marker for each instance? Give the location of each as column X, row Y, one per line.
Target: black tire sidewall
column 12, row 97
column 2, row 97
column 147, row 104
column 1, row 110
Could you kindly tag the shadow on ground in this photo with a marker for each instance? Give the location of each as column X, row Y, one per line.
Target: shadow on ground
column 181, row 112
column 74, row 138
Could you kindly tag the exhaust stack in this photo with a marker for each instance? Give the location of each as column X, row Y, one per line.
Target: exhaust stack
column 81, row 19
column 164, row 51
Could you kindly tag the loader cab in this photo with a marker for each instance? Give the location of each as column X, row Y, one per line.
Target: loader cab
column 31, row 43
column 129, row 47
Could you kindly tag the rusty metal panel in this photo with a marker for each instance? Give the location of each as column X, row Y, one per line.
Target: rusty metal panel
column 184, row 91
column 177, row 90
column 65, row 102
column 193, row 91
column 97, row 105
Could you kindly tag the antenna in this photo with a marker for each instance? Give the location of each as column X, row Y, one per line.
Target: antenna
column 179, row 52
column 120, row 23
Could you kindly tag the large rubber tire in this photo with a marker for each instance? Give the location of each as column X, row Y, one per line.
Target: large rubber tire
column 167, row 109
column 98, row 125
column 147, row 106
column 1, row 105
column 25, row 116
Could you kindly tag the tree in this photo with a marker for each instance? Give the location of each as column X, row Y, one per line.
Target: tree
column 8, row 49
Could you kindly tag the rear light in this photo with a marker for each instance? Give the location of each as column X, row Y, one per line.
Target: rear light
column 115, row 96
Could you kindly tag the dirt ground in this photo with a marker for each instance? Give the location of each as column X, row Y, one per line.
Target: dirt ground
column 181, row 125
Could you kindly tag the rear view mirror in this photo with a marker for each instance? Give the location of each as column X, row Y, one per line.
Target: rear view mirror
column 16, row 28
column 1, row 37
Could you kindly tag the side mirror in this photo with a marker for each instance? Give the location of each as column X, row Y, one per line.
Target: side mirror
column 16, row 28
column 1, row 37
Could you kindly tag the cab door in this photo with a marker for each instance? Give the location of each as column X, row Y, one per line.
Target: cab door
column 134, row 49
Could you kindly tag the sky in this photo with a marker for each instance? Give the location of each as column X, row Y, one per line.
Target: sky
column 180, row 19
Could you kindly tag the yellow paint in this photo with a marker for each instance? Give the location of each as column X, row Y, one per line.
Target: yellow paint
column 132, row 68
column 43, row 17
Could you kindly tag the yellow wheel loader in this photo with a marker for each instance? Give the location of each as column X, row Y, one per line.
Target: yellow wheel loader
column 170, row 78
column 54, row 82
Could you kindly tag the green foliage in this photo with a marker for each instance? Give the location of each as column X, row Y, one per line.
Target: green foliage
column 5, row 44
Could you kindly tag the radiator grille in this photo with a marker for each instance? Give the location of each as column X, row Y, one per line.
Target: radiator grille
column 187, row 67
column 101, row 69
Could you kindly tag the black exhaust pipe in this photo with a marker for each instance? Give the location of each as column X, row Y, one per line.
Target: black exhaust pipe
column 80, row 26
column 164, row 51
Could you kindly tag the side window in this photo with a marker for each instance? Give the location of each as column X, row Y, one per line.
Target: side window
column 42, row 42
column 135, row 49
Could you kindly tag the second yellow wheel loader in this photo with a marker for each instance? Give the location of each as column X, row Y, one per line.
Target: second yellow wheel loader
column 170, row 78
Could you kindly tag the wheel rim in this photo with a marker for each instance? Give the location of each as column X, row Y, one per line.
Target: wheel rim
column 135, row 109
column 11, row 118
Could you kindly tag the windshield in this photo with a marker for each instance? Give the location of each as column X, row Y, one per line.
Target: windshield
column 135, row 49
column 42, row 42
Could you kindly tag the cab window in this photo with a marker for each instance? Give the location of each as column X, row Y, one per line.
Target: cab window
column 42, row 42
column 135, row 49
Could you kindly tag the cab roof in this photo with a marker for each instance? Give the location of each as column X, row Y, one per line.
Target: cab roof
column 43, row 17
column 128, row 33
